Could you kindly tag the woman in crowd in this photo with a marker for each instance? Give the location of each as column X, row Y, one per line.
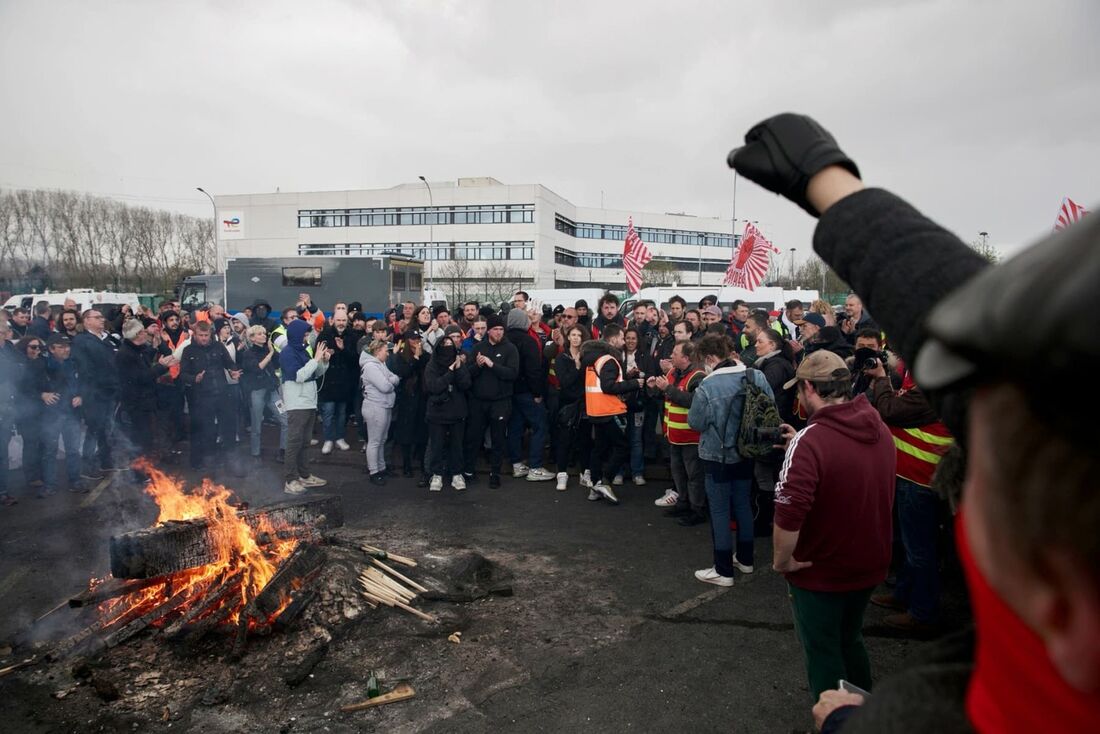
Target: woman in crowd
column 446, row 380
column 260, row 384
column 636, row 364
column 379, row 395
column 775, row 359
column 822, row 307
column 408, row 363
column 422, row 324
column 30, row 408
column 574, row 430
column 223, row 332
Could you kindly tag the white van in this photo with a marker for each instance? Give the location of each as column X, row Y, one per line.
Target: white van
column 85, row 298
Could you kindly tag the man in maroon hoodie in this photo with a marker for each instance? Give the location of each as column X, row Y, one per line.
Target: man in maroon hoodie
column 833, row 506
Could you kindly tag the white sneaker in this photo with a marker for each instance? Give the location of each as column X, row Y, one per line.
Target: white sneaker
column 519, row 470
column 563, row 481
column 344, row 445
column 294, row 487
column 606, row 492
column 618, row 480
column 436, row 484
column 668, row 499
column 711, row 576
column 639, row 480
column 586, row 479
column 741, row 566
column 593, row 495
column 326, row 447
column 313, row 481
column 458, row 482
column 539, row 475
column 313, row 442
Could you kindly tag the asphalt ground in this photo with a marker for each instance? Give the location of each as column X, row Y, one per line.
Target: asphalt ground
column 631, row 642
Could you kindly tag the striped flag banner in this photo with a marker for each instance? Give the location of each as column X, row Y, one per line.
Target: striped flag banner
column 1070, row 212
column 635, row 257
column 750, row 260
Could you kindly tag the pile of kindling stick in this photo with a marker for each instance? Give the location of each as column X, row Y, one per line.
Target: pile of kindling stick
column 382, row 584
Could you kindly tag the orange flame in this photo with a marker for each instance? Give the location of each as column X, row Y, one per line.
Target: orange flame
column 236, row 543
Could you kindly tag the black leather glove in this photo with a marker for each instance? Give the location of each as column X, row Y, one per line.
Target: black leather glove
column 783, row 152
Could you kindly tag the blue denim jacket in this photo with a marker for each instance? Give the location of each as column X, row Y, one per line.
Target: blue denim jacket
column 716, row 412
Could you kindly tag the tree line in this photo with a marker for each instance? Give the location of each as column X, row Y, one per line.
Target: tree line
column 56, row 240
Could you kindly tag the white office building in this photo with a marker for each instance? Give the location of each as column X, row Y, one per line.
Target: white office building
column 475, row 230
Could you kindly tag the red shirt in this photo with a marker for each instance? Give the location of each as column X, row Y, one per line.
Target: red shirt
column 836, row 489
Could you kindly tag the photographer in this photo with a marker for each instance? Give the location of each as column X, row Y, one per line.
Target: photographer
column 869, row 354
column 1027, row 526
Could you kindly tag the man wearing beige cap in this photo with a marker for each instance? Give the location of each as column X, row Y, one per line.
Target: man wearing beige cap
column 833, row 505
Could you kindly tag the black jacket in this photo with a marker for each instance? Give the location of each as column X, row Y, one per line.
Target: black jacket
column 884, row 247
column 531, row 378
column 39, row 327
column 830, row 339
column 95, row 367
column 570, row 379
column 255, row 377
column 412, row 399
column 342, row 376
column 212, row 360
column 777, row 371
column 496, row 382
column 138, row 371
column 446, row 388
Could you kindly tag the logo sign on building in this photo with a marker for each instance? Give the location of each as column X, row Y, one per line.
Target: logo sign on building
column 230, row 225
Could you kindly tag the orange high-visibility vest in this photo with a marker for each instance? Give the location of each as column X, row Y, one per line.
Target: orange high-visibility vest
column 174, row 370
column 920, row 450
column 676, row 417
column 597, row 403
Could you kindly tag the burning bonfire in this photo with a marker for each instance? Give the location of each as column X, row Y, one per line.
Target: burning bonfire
column 208, row 563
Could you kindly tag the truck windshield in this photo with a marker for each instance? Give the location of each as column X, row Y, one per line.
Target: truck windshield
column 193, row 295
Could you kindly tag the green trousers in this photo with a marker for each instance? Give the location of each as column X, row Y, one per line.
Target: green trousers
column 830, row 628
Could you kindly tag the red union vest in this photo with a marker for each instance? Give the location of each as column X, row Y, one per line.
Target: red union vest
column 597, row 403
column 677, row 429
column 920, row 450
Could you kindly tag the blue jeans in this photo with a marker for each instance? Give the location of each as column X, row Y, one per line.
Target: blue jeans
column 334, row 418
column 66, row 425
column 634, row 433
column 919, row 576
column 525, row 411
column 728, row 487
column 258, row 400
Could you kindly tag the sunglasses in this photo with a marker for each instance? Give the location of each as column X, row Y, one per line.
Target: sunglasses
column 35, row 347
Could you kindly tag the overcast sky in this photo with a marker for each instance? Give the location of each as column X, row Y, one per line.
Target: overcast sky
column 984, row 114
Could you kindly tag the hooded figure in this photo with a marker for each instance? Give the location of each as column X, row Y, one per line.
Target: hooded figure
column 261, row 314
column 294, row 356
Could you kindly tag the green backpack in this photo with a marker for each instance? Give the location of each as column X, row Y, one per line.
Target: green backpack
column 759, row 420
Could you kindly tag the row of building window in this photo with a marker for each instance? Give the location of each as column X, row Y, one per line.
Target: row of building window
column 429, row 251
column 649, row 235
column 611, row 260
column 413, row 215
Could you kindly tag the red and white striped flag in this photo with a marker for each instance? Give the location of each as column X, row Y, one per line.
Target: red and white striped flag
column 750, row 260
column 1070, row 212
column 635, row 257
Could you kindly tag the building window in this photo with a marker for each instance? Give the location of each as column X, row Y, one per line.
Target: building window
column 418, row 215
column 488, row 251
column 305, row 276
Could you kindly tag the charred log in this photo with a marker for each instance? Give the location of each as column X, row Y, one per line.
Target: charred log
column 176, row 546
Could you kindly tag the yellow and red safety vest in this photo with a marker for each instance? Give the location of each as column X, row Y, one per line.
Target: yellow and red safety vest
column 597, row 403
column 677, row 429
column 920, row 450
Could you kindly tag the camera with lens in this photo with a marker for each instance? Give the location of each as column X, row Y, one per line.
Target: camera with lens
column 868, row 359
column 767, row 435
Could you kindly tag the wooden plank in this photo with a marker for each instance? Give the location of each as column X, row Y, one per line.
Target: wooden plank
column 401, row 692
column 176, row 546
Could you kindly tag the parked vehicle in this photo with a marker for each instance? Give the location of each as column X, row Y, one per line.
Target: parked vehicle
column 105, row 301
column 377, row 282
column 766, row 297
